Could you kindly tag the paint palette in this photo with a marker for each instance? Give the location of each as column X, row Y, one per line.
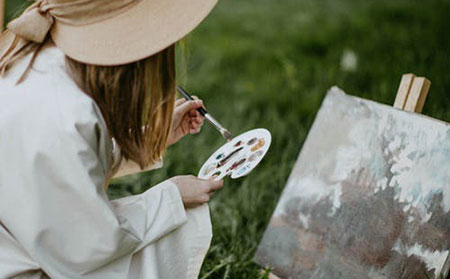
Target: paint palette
column 239, row 156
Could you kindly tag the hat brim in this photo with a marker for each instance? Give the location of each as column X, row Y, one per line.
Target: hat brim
column 139, row 32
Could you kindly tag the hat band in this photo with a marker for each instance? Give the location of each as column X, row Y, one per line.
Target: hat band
column 34, row 24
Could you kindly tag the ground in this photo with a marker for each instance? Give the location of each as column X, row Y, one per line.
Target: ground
column 261, row 63
column 269, row 64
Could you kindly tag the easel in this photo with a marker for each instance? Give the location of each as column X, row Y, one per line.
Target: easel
column 411, row 96
column 412, row 93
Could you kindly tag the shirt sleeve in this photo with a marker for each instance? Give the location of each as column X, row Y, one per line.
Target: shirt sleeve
column 61, row 214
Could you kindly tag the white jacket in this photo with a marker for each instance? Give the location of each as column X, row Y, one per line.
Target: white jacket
column 55, row 218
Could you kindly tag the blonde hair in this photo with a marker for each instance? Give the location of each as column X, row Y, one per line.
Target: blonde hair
column 137, row 101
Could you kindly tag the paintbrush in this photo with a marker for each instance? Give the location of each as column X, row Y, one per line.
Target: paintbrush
column 225, row 133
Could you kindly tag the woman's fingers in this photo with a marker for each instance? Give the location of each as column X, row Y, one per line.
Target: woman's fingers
column 195, row 128
column 195, row 123
column 198, row 99
column 195, row 191
column 195, row 113
column 188, row 106
column 179, row 101
column 216, row 184
column 197, row 119
column 212, row 185
column 184, row 107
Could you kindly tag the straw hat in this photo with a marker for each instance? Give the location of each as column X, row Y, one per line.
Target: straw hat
column 138, row 32
column 103, row 32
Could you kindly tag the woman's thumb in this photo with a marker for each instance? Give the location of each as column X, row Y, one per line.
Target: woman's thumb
column 216, row 184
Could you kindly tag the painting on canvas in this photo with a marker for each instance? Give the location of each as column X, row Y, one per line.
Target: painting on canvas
column 369, row 197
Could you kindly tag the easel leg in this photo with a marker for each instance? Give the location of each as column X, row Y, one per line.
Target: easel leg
column 412, row 93
column 403, row 90
column 417, row 95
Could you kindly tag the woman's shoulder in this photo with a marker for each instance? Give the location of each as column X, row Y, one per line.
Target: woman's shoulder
column 47, row 89
column 47, row 101
column 48, row 109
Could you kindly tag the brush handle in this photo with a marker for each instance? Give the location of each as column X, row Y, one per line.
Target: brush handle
column 188, row 97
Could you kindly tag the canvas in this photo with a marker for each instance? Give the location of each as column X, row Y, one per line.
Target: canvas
column 369, row 197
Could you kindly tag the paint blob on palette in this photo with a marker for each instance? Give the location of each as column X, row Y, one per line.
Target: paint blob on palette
column 239, row 156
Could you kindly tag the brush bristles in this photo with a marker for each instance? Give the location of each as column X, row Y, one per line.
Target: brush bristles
column 226, row 134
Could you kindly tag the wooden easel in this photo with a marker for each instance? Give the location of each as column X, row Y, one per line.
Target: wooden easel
column 412, row 93
column 411, row 96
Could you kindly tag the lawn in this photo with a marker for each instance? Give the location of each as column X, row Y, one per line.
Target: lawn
column 269, row 64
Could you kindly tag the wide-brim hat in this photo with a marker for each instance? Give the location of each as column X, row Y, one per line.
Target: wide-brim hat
column 136, row 33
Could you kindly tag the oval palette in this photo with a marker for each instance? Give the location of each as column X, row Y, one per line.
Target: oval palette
column 239, row 156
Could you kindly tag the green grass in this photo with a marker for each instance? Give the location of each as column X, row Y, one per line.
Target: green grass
column 269, row 64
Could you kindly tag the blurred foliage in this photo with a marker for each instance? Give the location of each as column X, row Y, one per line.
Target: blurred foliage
column 13, row 8
column 261, row 63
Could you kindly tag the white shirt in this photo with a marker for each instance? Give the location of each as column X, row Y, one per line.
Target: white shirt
column 55, row 218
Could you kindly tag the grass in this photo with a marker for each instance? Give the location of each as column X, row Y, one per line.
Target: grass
column 261, row 63
column 269, row 64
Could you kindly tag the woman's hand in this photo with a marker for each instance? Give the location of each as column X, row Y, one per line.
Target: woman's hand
column 195, row 191
column 186, row 119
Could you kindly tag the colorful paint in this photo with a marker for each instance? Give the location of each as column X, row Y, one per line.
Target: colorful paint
column 258, row 145
column 369, row 197
column 252, row 141
column 255, row 155
column 237, row 164
column 241, row 171
column 209, row 169
column 220, row 156
column 233, row 158
column 229, row 157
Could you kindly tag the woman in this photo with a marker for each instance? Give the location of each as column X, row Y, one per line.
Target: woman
column 88, row 92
